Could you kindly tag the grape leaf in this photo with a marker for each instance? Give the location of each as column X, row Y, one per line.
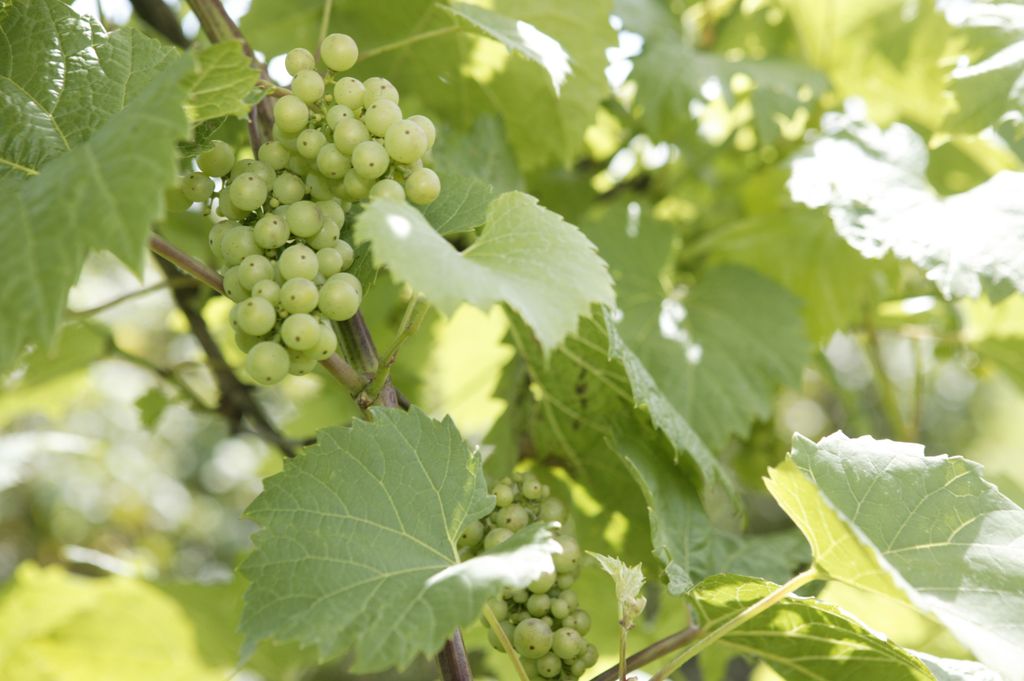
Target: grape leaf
column 358, row 546
column 948, row 669
column 628, row 583
column 482, row 152
column 873, row 183
column 802, row 639
column 526, row 256
column 883, row 517
column 109, row 190
column 225, row 80
column 61, row 77
column 462, row 205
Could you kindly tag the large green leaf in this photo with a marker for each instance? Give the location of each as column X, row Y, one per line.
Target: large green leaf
column 802, row 639
column 526, row 256
column 462, row 205
column 224, row 83
column 873, row 183
column 104, row 193
column 358, row 547
column 883, row 517
column 61, row 77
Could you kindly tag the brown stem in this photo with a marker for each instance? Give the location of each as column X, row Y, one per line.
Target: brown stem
column 453, row 661
column 162, row 19
column 651, row 653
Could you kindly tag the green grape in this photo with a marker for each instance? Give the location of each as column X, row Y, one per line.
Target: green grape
column 370, row 159
column 569, row 559
column 549, row 666
column 304, row 219
column 328, row 235
column 495, row 537
column 217, row 233
column 348, row 133
column 299, row 295
column 309, row 142
column 376, row 89
column 332, row 163
column 380, row 116
column 300, row 331
column 298, row 165
column 217, row 160
column 387, row 189
column 268, row 289
column 579, row 620
column 503, row 494
column 513, row 517
column 349, row 279
column 349, row 92
column 532, row 638
column 531, row 488
column 298, row 262
column 288, row 188
column 570, row 598
column 196, row 187
column 517, row 617
column 498, row 606
column 472, row 535
column 538, row 604
column 233, row 288
column 330, row 260
column 299, row 59
column 559, row 609
column 251, row 165
column 339, row 52
column 578, row 667
column 552, row 510
column 248, row 192
column 405, row 141
column 339, row 300
column 337, row 113
column 357, row 186
column 566, row 581
column 422, row 186
column 254, row 268
column 349, row 256
column 590, row 655
column 175, row 199
column 495, row 642
column 227, row 209
column 427, row 126
column 256, row 316
column 318, row 187
column 270, row 232
column 520, row 596
column 567, row 643
column 301, row 362
column 267, row 363
column 273, row 154
column 291, row 114
column 286, row 139
column 332, row 210
column 542, row 584
column 308, row 85
column 244, row 341
column 328, row 342
column 237, row 243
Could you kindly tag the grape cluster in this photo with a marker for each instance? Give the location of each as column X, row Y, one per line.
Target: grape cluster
column 336, row 141
column 543, row 621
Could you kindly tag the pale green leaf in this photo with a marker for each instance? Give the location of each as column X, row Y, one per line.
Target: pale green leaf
column 462, row 205
column 949, row 669
column 61, row 77
column 221, row 88
column 526, row 256
column 628, row 583
column 873, row 183
column 883, row 517
column 802, row 639
column 358, row 547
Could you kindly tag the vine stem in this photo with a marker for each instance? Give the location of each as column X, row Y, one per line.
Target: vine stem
column 414, row 315
column 325, row 20
column 176, row 282
column 405, row 42
column 505, row 643
column 650, row 653
column 622, row 652
column 737, row 620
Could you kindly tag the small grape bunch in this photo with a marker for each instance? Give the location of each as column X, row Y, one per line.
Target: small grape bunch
column 543, row 621
column 337, row 141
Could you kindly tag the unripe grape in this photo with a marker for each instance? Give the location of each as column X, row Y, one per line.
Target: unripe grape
column 339, row 300
column 267, row 363
column 257, row 168
column 248, row 191
column 495, row 537
column 286, row 139
column 349, row 92
column 472, row 534
column 514, row 517
column 387, row 189
column 349, row 279
column 498, row 606
column 517, row 617
column 268, row 289
column 217, row 160
column 332, row 163
column 337, row 113
column 196, row 187
column 328, row 235
column 217, row 233
column 549, row 666
column 569, row 559
column 256, row 316
column 308, row 85
column 503, row 494
column 254, row 268
column 233, row 288
column 244, row 341
column 579, row 620
column 559, row 609
column 270, row 232
column 288, row 188
column 427, row 126
column 298, row 261
column 237, row 243
column 376, row 89
column 493, row 639
column 566, row 581
column 339, row 52
column 348, row 133
column 330, row 260
column 542, row 584
column 570, row 598
column 299, row 295
column 552, row 510
column 531, row 488
column 300, row 331
column 380, row 116
column 405, row 141
column 370, row 159
column 273, row 154
column 318, row 187
column 532, row 638
column 304, row 219
column 567, row 643
column 299, row 59
column 349, row 256
column 422, row 186
column 590, row 655
column 226, row 208
column 331, row 210
column 357, row 186
column 298, row 165
column 291, row 114
column 176, row 201
column 309, row 143
column 301, row 363
column 520, row 596
column 538, row 604
column 578, row 667
column 327, row 344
